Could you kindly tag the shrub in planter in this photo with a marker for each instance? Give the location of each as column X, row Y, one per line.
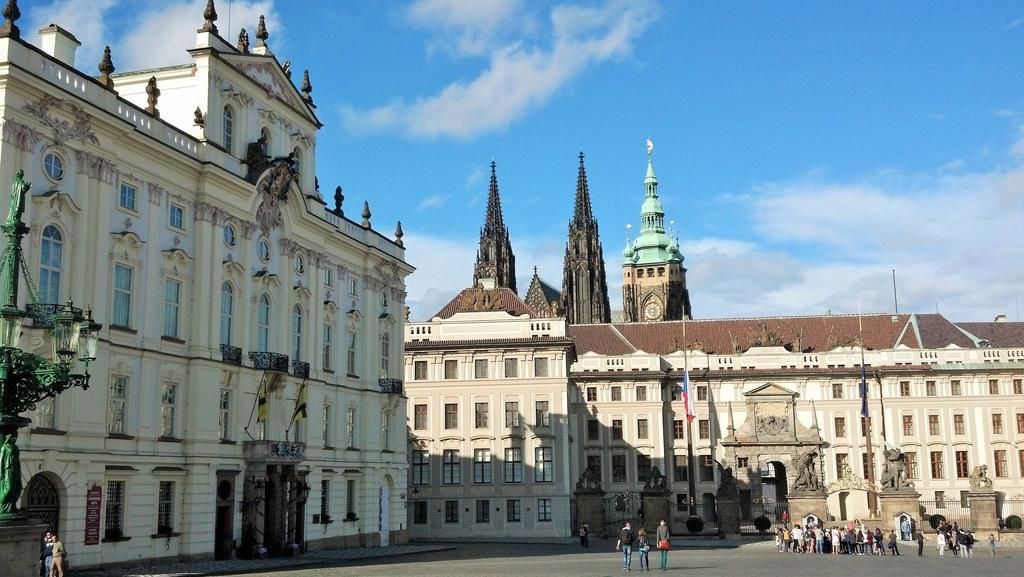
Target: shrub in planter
column 936, row 520
column 1014, row 522
column 694, row 524
column 762, row 524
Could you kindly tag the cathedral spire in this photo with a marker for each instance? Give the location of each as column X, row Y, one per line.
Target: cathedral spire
column 584, row 286
column 582, row 211
column 494, row 259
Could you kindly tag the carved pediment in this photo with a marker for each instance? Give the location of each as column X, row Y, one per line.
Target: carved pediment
column 267, row 73
column 770, row 390
column 232, row 268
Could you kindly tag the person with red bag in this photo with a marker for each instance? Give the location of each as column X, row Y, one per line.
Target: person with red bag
column 663, row 544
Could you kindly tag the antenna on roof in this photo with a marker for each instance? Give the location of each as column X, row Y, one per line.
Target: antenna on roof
column 895, row 301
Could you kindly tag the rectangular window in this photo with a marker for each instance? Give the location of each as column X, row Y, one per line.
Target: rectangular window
column 962, row 469
column 451, row 511
column 127, row 197
column 351, row 357
column 451, row 467
column 954, row 387
column 451, row 416
column 677, row 392
column 350, row 426
column 480, row 415
column 224, row 422
column 451, row 369
column 483, row 511
column 593, row 430
column 511, row 414
column 165, row 508
column 837, row 390
column 904, row 388
column 168, row 409
column 680, row 468
column 480, row 369
column 618, row 468
column 513, row 465
column 350, row 499
column 703, row 429
column 842, row 464
column 678, row 429
column 544, row 469
column 933, row 424
column 641, row 393
column 682, row 502
column 420, row 468
column 993, row 386
column 912, row 472
column 707, row 469
column 513, row 512
column 1020, row 426
column 702, row 392
column 114, row 514
column 643, row 468
column 419, row 512
column 117, row 397
column 641, row 429
column 591, row 394
column 122, row 296
column 616, row 429
column 176, row 216
column 327, row 352
column 999, row 458
column 353, row 286
column 329, row 277
column 543, row 510
column 936, row 465
column 997, row 423
column 543, row 414
column 419, row 417
column 594, row 465
column 540, row 367
column 1018, row 386
column 616, row 393
column 929, row 388
column 840, row 424
column 511, row 368
column 908, row 425
column 742, row 462
column 326, row 432
column 958, row 425
column 482, row 466
column 325, row 500
column 419, row 371
column 172, row 305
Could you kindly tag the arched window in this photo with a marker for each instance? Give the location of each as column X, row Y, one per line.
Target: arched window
column 297, row 333
column 229, row 128
column 298, row 160
column 385, row 354
column 49, row 265
column 227, row 307
column 263, row 321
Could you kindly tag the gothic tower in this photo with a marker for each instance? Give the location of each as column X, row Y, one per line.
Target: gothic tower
column 584, row 287
column 653, row 277
column 494, row 258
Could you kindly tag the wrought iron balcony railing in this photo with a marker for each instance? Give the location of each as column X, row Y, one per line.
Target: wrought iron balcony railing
column 42, row 314
column 269, row 361
column 300, row 369
column 390, row 385
column 230, row 354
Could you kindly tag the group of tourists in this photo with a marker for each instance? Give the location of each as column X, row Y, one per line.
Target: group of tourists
column 641, row 543
column 853, row 539
column 960, row 542
column 51, row 556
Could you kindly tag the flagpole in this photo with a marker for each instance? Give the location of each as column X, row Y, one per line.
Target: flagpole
column 691, row 469
column 866, row 416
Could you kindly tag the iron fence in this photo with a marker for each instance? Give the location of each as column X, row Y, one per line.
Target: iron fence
column 763, row 518
column 933, row 513
column 1011, row 513
column 708, row 514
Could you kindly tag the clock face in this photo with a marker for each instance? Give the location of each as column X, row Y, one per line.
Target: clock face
column 652, row 310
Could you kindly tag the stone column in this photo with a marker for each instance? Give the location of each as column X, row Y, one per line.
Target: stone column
column 807, row 503
column 893, row 503
column 728, row 516
column 19, row 547
column 590, row 510
column 656, row 508
column 984, row 510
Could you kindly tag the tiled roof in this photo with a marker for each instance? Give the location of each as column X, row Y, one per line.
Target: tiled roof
column 937, row 332
column 1000, row 335
column 603, row 339
column 484, row 343
column 502, row 299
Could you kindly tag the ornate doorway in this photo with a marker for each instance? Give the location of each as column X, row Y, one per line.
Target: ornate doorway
column 42, row 502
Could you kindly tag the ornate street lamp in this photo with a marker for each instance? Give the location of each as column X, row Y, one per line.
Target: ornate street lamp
column 25, row 378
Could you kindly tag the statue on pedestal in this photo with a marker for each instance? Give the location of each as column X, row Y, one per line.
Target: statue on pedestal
column 656, row 481
column 728, row 488
column 979, row 479
column 807, row 477
column 894, row 470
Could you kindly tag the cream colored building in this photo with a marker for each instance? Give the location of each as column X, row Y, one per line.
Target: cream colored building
column 487, row 385
column 191, row 222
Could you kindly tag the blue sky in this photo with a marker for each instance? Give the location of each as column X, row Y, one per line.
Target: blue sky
column 804, row 150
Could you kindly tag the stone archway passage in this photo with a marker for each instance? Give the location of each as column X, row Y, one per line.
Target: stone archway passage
column 42, row 502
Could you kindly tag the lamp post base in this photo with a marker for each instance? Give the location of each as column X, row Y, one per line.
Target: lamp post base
column 19, row 547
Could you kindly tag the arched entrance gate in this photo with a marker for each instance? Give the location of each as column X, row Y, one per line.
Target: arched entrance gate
column 42, row 501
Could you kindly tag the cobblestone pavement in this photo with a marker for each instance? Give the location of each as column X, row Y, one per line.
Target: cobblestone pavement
column 708, row 558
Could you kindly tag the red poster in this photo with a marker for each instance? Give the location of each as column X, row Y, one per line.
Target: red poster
column 93, row 497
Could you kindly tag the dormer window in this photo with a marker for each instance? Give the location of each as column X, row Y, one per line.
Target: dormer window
column 228, row 129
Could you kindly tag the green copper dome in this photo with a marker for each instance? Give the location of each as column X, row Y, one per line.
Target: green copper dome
column 652, row 245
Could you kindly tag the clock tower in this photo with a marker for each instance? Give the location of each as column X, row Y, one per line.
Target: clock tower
column 653, row 276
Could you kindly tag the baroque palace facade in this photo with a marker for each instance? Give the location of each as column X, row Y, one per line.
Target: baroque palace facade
column 488, row 463
column 193, row 225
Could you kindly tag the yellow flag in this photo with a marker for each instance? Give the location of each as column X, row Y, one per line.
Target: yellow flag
column 300, row 405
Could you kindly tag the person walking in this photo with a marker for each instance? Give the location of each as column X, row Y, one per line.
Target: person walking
column 940, row 543
column 59, row 553
column 920, row 542
column 584, row 536
column 893, row 546
column 992, row 544
column 625, row 544
column 643, row 546
column 46, row 555
column 664, row 544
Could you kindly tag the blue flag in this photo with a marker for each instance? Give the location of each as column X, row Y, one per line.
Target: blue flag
column 863, row 392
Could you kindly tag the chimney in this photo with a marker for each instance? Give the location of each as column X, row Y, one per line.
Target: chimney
column 1000, row 319
column 488, row 284
column 59, row 43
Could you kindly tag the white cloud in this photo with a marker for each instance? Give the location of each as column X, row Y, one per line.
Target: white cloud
column 1015, row 23
column 955, row 164
column 147, row 33
column 433, row 201
column 519, row 76
column 467, row 27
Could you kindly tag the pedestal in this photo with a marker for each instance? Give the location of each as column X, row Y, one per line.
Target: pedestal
column 803, row 504
column 728, row 516
column 590, row 510
column 893, row 504
column 19, row 548
column 984, row 511
column 656, row 509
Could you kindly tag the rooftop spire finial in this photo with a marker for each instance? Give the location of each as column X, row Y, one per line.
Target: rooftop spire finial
column 261, row 33
column 307, row 89
column 582, row 213
column 210, row 15
column 650, row 147
column 494, row 222
column 243, row 41
column 11, row 13
column 399, row 234
column 366, row 214
column 106, row 68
